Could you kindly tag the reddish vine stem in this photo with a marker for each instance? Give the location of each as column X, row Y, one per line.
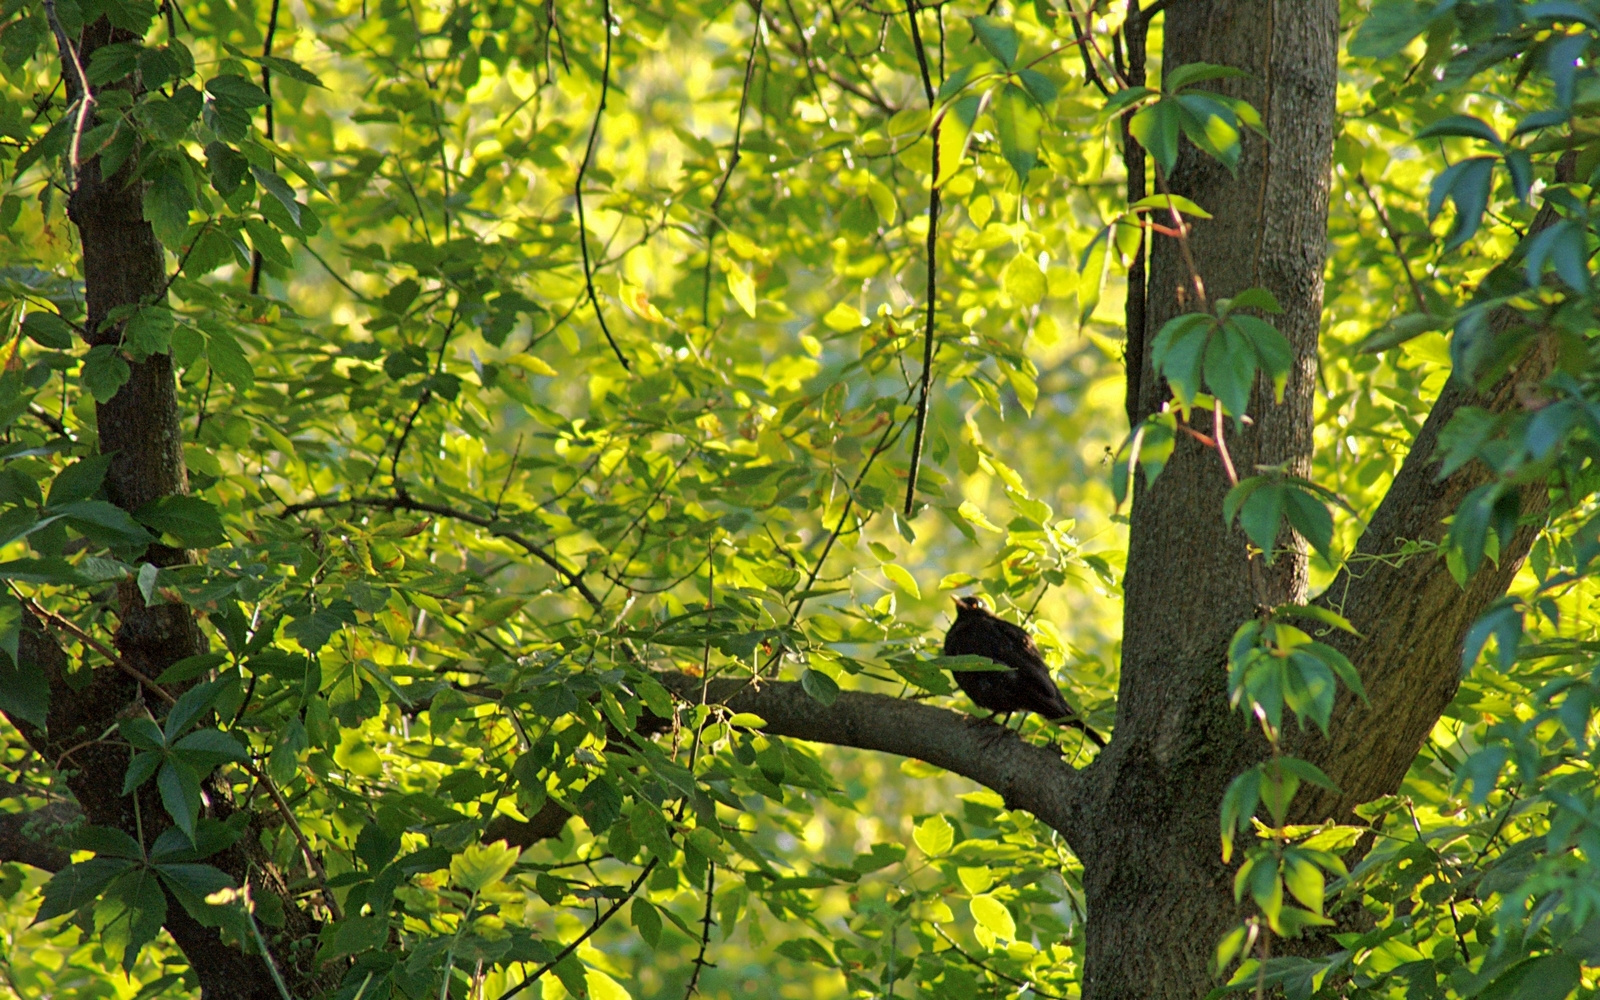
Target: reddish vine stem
column 933, row 283
column 86, row 101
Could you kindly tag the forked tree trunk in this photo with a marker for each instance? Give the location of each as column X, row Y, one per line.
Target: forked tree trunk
column 1159, row 896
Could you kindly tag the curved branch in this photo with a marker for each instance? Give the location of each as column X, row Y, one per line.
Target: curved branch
column 495, row 526
column 1028, row 777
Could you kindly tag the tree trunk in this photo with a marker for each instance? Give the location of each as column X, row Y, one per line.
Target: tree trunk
column 1159, row 895
column 140, row 428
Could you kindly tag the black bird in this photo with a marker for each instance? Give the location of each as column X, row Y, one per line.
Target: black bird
column 1026, row 687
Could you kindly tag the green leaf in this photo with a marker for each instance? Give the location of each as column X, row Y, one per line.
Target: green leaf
column 998, row 36
column 1546, row 977
column 190, row 519
column 1019, row 123
column 78, row 885
column 1390, row 27
column 1023, row 281
column 1163, row 204
column 104, row 372
column 47, row 329
column 1467, row 184
column 78, row 481
column 482, row 865
column 147, row 332
column 179, row 785
column 992, row 914
column 934, row 836
column 1157, row 127
column 190, row 705
column 191, row 667
column 1310, row 517
column 1192, row 73
column 819, row 686
column 902, row 578
column 24, row 688
column 103, row 523
column 236, row 89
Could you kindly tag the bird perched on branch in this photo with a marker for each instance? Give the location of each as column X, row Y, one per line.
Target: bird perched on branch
column 1026, row 687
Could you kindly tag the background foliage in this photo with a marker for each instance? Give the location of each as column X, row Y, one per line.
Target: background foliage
column 527, row 352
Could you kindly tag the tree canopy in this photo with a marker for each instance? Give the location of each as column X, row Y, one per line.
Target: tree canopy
column 483, row 487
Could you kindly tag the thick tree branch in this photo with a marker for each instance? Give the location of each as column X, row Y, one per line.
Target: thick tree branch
column 28, row 837
column 1028, row 777
column 1412, row 615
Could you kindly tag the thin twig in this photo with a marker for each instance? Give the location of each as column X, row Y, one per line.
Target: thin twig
column 599, row 922
column 577, row 189
column 1394, row 239
column 573, row 578
column 67, row 626
column 932, row 250
column 299, row 836
column 47, row 418
column 1029, row 984
column 266, row 87
column 700, row 962
column 733, row 161
column 1221, row 442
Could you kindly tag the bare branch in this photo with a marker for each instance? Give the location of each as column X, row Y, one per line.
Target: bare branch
column 1028, row 777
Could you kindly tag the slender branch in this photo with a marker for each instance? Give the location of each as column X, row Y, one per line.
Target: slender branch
column 266, row 87
column 577, row 189
column 598, row 923
column 933, row 260
column 86, row 101
column 733, row 161
column 1394, row 239
column 69, row 627
column 1090, row 74
column 1013, row 980
column 700, row 963
column 47, row 418
column 494, row 526
column 299, row 836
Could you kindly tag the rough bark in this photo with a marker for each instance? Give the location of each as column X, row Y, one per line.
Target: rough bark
column 1159, row 896
column 140, row 428
column 1028, row 777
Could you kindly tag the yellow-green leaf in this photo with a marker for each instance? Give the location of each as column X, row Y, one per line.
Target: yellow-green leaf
column 482, row 865
column 973, row 515
column 902, row 578
column 603, row 987
column 1023, row 281
column 843, row 318
column 934, row 836
column 952, row 146
column 992, row 913
column 743, row 288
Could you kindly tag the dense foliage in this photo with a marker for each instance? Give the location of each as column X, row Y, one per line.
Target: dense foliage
column 540, row 364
